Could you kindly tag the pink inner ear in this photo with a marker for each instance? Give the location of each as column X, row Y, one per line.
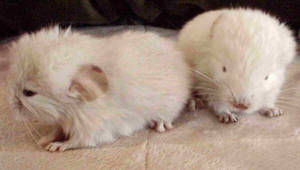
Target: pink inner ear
column 96, row 69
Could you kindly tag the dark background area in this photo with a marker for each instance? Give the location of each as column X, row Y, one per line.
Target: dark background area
column 18, row 16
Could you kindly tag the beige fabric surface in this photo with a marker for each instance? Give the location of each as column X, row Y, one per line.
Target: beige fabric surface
column 198, row 141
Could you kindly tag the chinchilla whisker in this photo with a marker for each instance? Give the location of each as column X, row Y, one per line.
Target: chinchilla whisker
column 206, row 89
column 214, row 81
column 30, row 132
column 211, row 94
column 289, row 89
column 288, row 98
column 33, row 128
column 229, row 89
column 206, row 77
column 288, row 104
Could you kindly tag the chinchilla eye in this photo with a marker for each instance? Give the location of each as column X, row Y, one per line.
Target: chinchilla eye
column 29, row 93
column 224, row 69
column 267, row 77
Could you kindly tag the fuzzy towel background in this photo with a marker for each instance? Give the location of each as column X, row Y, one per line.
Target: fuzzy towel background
column 18, row 16
column 198, row 140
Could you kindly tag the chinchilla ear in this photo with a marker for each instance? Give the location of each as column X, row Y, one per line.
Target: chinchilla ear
column 89, row 84
column 223, row 24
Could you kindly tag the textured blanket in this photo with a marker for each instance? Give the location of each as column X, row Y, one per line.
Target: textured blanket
column 198, row 140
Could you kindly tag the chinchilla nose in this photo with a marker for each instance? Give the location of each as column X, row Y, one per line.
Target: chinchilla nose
column 242, row 105
column 19, row 102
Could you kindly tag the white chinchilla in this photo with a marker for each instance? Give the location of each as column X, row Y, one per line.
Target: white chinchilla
column 239, row 58
column 94, row 90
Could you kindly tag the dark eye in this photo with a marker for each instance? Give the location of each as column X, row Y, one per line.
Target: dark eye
column 267, row 77
column 224, row 69
column 28, row 93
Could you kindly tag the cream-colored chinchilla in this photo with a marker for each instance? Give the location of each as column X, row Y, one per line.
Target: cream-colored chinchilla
column 96, row 89
column 239, row 58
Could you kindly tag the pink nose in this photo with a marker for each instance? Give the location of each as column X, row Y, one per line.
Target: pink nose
column 241, row 106
column 19, row 102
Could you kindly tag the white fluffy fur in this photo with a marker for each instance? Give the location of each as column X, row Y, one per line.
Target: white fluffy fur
column 147, row 78
column 251, row 45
